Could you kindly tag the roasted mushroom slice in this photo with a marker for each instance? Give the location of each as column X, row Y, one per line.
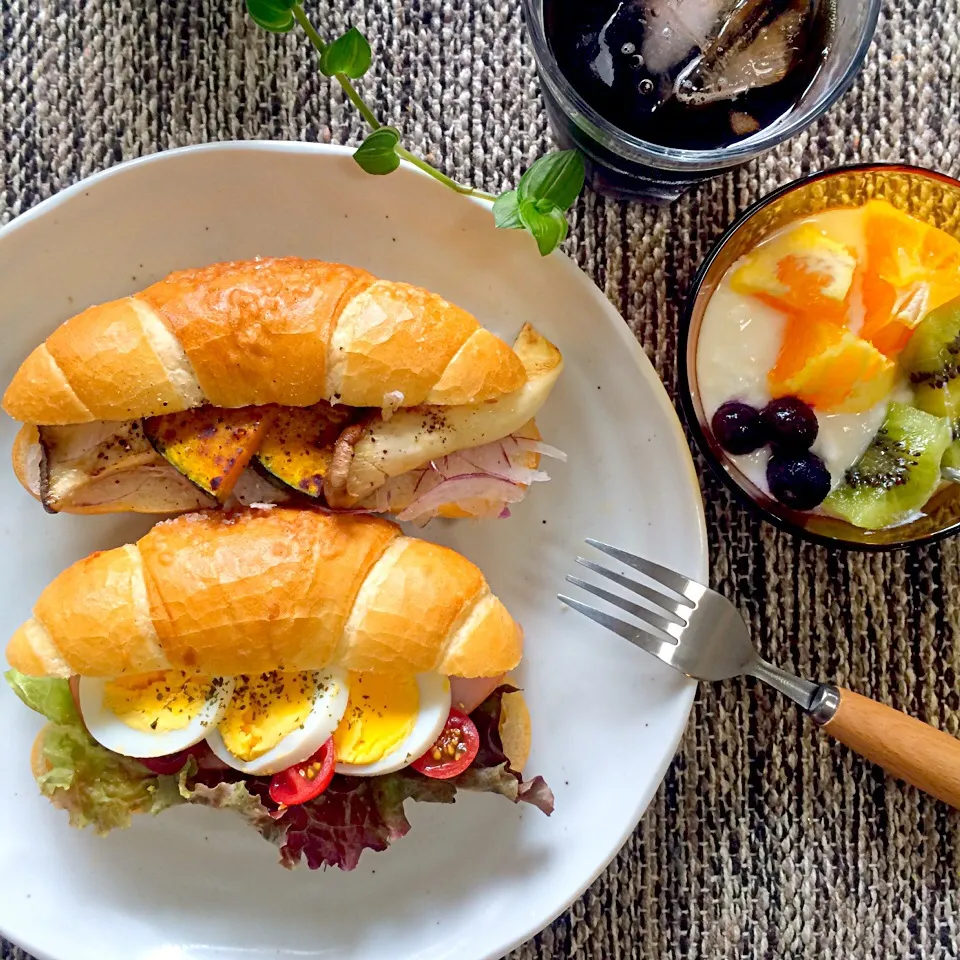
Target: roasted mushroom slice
column 101, row 467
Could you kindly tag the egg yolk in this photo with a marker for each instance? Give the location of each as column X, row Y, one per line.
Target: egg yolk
column 381, row 712
column 264, row 709
column 160, row 701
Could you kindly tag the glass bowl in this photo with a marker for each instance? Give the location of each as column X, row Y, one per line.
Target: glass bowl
column 924, row 194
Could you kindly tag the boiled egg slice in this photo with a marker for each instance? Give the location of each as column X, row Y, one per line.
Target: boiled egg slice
column 152, row 714
column 389, row 722
column 278, row 719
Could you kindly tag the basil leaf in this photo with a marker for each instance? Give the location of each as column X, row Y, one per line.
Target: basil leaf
column 549, row 228
column 349, row 55
column 556, row 178
column 506, row 211
column 272, row 15
column 376, row 154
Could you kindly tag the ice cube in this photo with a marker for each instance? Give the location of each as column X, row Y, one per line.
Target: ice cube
column 676, row 28
column 751, row 50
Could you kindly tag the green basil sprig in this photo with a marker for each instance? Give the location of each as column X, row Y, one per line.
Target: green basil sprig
column 545, row 192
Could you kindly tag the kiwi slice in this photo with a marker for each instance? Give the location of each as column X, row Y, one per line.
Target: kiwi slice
column 897, row 474
column 950, row 465
column 944, row 402
column 932, row 357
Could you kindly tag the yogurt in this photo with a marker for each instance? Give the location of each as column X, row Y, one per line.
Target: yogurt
column 740, row 339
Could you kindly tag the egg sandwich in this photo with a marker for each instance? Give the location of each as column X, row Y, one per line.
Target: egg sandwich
column 310, row 671
column 275, row 380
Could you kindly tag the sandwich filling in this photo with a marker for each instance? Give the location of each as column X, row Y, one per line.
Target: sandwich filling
column 414, row 462
column 319, row 763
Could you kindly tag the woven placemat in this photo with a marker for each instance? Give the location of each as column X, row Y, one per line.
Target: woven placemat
column 764, row 840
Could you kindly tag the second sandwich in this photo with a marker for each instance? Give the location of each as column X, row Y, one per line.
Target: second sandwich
column 309, row 671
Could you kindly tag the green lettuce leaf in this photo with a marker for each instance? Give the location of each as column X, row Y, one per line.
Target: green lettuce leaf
column 505, row 781
column 45, row 695
column 97, row 787
column 491, row 771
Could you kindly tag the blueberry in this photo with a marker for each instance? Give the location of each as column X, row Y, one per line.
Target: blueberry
column 738, row 428
column 790, row 423
column 799, row 481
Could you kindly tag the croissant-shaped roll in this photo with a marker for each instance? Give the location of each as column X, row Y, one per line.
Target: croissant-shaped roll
column 226, row 594
column 287, row 331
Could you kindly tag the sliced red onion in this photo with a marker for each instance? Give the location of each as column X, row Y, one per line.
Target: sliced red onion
column 493, row 458
column 476, row 485
column 455, row 465
column 537, row 446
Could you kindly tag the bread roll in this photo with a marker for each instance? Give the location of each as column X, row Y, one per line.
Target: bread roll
column 411, row 438
column 515, row 729
column 287, row 331
column 249, row 592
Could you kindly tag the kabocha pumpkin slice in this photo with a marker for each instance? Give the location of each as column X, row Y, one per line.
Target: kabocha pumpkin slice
column 210, row 446
column 298, row 447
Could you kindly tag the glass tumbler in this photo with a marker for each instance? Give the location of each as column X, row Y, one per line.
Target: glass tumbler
column 624, row 166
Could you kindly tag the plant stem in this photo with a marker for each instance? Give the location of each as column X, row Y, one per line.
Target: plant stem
column 342, row 78
column 357, row 101
column 442, row 177
column 304, row 22
column 374, row 124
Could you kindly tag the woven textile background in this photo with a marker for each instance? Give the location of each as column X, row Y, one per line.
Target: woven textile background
column 764, row 840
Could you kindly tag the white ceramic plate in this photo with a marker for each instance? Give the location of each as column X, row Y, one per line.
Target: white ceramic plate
column 470, row 881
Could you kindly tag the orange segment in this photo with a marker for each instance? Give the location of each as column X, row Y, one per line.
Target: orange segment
column 802, row 270
column 912, row 268
column 803, row 339
column 829, row 367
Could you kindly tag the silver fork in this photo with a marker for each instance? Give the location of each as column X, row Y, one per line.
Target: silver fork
column 700, row 633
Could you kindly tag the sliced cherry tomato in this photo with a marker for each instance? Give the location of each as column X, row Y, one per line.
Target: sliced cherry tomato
column 304, row 781
column 455, row 749
column 171, row 763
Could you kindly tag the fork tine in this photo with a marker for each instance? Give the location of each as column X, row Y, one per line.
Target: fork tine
column 646, row 641
column 676, row 608
column 641, row 613
column 667, row 578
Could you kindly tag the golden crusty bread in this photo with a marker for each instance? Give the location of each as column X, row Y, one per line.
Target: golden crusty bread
column 260, row 590
column 515, row 729
column 39, row 764
column 26, row 455
column 286, row 330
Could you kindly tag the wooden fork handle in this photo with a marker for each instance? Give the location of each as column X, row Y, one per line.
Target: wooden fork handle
column 904, row 746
